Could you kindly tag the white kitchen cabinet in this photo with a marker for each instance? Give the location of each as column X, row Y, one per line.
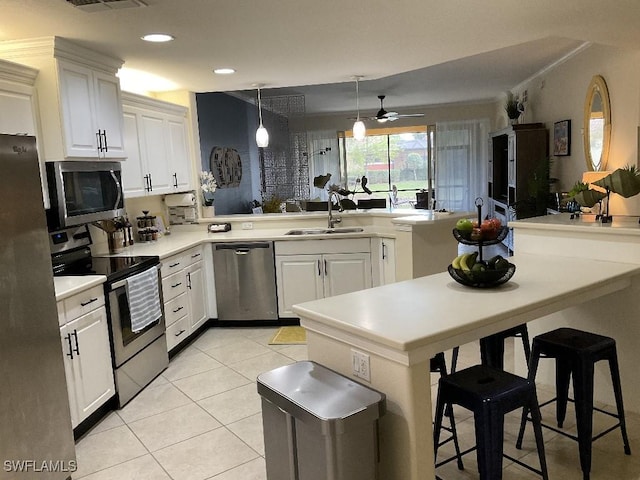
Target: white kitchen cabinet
column 156, row 133
column 196, row 295
column 87, row 360
column 299, row 279
column 309, row 270
column 184, row 288
column 91, row 112
column 383, row 259
column 79, row 100
column 19, row 108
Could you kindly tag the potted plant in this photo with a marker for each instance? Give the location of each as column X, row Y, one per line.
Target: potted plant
column 208, row 186
column 513, row 109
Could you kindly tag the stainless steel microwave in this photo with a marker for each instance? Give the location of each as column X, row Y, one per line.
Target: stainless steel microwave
column 83, row 192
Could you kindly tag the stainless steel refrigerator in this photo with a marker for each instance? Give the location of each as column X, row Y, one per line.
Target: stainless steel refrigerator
column 36, row 438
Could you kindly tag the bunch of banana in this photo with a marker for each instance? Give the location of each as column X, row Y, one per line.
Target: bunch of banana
column 465, row 262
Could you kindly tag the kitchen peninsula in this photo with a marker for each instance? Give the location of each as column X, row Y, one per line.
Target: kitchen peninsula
column 401, row 326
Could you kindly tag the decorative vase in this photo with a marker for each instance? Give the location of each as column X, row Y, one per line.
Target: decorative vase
column 208, row 211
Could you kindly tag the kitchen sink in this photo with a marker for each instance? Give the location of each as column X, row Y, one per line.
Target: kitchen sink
column 324, row 231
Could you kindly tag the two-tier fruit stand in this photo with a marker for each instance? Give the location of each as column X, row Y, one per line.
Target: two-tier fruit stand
column 487, row 275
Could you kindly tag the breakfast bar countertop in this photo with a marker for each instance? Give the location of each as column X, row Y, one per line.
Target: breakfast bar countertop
column 400, row 326
column 435, row 310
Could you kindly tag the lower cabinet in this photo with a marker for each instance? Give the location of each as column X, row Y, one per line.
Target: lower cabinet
column 383, row 259
column 302, row 277
column 184, row 291
column 87, row 357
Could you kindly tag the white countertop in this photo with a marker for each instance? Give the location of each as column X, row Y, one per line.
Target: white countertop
column 68, row 286
column 186, row 236
column 407, row 315
column 584, row 223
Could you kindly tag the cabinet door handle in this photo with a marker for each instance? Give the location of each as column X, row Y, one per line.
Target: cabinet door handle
column 189, row 281
column 84, row 304
column 106, row 145
column 180, row 333
column 173, row 265
column 147, row 183
column 176, row 285
column 326, row 272
column 77, row 349
column 175, row 180
column 150, row 184
column 178, row 309
column 384, row 252
column 99, row 140
column 68, row 339
column 195, row 255
column 319, row 269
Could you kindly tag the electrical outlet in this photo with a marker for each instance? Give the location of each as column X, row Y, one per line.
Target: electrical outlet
column 361, row 365
column 247, row 225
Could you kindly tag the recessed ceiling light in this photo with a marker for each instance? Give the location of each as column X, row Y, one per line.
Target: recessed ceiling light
column 224, row 71
column 157, row 37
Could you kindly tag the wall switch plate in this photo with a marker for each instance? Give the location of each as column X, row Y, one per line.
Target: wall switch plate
column 361, row 365
column 247, row 225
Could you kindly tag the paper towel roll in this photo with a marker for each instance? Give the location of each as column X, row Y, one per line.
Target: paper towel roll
column 180, row 200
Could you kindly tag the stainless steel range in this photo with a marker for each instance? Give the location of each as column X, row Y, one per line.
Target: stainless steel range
column 139, row 354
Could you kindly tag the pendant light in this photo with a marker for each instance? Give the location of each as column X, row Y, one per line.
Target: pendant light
column 262, row 136
column 359, row 130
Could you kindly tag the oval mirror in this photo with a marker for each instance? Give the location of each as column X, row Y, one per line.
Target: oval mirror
column 597, row 124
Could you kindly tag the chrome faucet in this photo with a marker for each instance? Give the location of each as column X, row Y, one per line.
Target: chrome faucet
column 331, row 220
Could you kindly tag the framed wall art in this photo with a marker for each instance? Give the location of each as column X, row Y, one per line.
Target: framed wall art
column 562, row 138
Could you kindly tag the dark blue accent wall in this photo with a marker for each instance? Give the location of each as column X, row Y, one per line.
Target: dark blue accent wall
column 225, row 121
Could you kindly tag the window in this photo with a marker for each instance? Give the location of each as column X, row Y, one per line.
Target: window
column 393, row 160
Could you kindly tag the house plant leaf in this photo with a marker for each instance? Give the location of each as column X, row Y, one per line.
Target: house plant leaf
column 623, row 181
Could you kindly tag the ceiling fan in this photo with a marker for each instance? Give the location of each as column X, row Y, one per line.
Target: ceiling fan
column 384, row 116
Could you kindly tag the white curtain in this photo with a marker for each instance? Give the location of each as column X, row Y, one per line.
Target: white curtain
column 323, row 161
column 461, row 164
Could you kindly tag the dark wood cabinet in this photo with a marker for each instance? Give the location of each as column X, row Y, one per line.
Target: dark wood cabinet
column 518, row 169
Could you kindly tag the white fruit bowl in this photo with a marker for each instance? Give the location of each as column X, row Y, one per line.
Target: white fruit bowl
column 484, row 279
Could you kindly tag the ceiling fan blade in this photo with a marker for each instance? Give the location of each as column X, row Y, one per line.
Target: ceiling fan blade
column 411, row 115
column 391, row 114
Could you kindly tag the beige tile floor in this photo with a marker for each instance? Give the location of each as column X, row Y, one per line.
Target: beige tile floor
column 201, row 420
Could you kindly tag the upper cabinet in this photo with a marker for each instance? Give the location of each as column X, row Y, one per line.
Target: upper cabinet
column 156, row 139
column 19, row 108
column 79, row 98
column 91, row 112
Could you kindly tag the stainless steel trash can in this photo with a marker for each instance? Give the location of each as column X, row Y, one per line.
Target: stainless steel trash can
column 318, row 424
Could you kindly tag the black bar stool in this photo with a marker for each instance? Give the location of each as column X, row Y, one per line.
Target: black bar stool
column 490, row 394
column 492, row 347
column 439, row 365
column 576, row 353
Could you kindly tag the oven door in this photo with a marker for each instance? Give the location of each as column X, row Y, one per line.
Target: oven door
column 127, row 343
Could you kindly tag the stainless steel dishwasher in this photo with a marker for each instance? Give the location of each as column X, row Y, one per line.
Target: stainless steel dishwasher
column 245, row 281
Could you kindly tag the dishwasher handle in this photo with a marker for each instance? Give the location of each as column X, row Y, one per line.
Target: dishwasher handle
column 242, row 246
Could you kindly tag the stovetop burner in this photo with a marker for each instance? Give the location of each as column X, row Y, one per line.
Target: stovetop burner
column 71, row 255
column 117, row 268
column 114, row 268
